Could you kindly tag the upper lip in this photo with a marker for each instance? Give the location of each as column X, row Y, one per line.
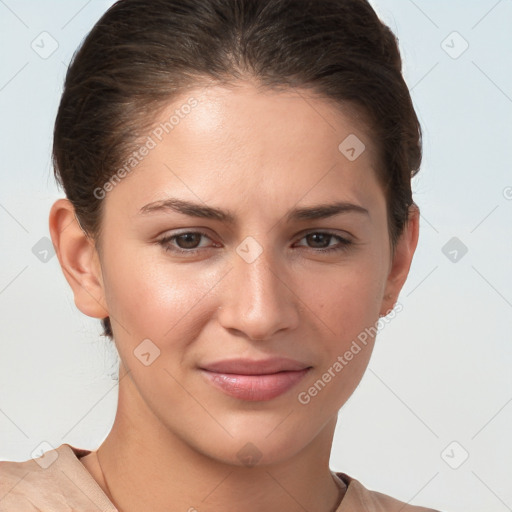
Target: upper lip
column 254, row 366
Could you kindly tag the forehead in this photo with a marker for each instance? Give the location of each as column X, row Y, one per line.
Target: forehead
column 236, row 114
column 249, row 140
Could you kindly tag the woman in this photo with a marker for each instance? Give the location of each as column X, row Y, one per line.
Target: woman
column 238, row 212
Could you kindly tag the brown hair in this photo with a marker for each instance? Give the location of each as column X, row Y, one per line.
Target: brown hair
column 140, row 55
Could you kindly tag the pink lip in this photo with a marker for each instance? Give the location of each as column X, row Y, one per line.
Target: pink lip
column 255, row 380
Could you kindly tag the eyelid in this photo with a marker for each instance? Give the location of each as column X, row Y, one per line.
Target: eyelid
column 327, row 231
column 346, row 236
column 166, row 240
column 343, row 244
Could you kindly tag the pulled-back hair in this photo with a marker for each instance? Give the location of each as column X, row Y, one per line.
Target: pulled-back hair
column 140, row 55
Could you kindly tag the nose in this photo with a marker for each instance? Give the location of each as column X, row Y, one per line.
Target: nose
column 258, row 298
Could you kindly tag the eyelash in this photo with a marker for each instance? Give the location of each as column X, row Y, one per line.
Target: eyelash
column 165, row 242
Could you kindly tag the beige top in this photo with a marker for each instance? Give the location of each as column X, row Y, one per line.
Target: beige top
column 58, row 482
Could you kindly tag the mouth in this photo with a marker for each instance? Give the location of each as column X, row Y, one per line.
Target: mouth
column 253, row 380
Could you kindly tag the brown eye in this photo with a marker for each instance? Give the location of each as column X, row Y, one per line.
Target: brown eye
column 321, row 241
column 188, row 242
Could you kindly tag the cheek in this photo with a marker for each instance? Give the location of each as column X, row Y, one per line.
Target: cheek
column 344, row 305
column 150, row 297
column 345, row 299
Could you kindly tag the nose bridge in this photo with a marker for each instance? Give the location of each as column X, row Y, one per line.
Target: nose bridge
column 259, row 303
column 261, row 280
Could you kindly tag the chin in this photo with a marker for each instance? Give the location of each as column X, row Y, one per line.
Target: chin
column 256, row 446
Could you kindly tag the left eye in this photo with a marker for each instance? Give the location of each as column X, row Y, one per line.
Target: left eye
column 320, row 240
column 189, row 242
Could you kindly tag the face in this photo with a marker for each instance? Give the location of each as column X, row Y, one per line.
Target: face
column 236, row 305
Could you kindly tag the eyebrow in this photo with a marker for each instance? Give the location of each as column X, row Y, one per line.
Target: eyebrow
column 320, row 211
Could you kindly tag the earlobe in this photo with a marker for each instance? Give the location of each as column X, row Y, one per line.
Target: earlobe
column 78, row 258
column 402, row 260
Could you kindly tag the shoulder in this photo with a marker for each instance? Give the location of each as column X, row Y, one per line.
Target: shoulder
column 54, row 481
column 358, row 497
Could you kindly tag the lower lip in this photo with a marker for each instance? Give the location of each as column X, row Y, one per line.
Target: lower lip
column 255, row 387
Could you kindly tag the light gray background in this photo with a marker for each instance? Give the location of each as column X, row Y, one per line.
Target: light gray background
column 441, row 370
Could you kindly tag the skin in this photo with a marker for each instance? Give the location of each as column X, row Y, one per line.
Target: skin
column 258, row 154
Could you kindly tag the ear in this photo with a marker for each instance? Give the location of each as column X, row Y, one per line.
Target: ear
column 78, row 259
column 401, row 262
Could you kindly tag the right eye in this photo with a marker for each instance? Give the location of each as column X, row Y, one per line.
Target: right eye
column 186, row 242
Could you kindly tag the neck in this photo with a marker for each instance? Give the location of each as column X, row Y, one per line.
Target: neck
column 142, row 466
